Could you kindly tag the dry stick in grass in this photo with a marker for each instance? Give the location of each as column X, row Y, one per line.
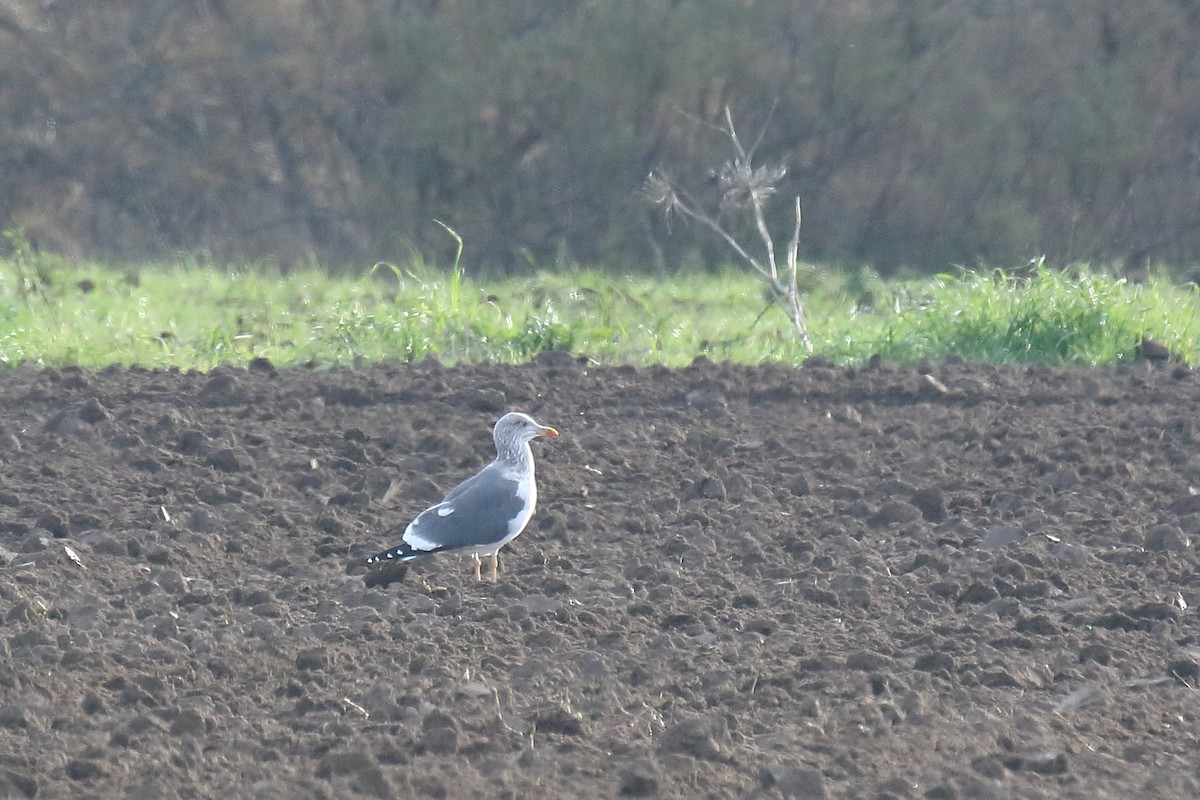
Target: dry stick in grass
column 742, row 185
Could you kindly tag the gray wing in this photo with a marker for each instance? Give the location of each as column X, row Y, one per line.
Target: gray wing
column 476, row 512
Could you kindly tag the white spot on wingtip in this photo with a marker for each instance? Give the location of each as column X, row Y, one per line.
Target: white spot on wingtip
column 445, row 511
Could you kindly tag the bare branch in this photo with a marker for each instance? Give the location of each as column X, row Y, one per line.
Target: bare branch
column 793, row 269
column 794, row 246
column 701, row 122
column 681, row 202
column 743, row 187
column 733, row 137
column 763, row 233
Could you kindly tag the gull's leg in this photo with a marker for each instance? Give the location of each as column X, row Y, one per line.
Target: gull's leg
column 495, row 566
column 475, row 558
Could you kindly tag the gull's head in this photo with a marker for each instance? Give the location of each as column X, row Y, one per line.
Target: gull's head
column 515, row 429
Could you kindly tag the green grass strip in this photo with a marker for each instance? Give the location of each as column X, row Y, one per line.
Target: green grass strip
column 56, row 313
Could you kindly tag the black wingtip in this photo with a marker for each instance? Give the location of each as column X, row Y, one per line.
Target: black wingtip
column 398, row 553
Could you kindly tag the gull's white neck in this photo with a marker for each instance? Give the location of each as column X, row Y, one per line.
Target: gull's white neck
column 516, row 456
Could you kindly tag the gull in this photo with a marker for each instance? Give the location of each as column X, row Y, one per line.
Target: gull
column 487, row 510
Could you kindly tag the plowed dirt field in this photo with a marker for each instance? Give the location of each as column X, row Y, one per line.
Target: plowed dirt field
column 741, row 582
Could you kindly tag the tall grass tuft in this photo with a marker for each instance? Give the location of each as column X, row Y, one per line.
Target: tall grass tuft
column 1074, row 316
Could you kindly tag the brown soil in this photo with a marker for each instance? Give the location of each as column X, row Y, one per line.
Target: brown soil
column 741, row 582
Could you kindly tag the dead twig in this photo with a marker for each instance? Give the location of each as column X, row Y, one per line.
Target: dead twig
column 744, row 187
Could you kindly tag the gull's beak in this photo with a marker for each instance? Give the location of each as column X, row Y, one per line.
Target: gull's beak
column 547, row 431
